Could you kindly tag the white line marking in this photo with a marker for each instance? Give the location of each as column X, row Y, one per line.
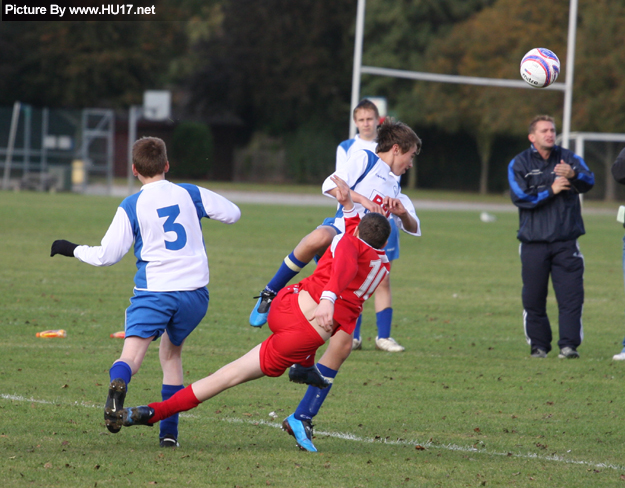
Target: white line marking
column 368, row 440
column 429, row 445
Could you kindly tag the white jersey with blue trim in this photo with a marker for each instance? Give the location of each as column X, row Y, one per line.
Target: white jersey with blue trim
column 366, row 174
column 346, row 148
column 163, row 220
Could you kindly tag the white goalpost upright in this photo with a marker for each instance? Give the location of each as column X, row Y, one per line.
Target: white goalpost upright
column 566, row 87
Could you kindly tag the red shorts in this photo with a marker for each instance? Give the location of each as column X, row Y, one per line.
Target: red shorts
column 293, row 340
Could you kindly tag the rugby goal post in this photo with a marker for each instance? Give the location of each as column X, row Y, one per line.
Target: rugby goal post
column 566, row 87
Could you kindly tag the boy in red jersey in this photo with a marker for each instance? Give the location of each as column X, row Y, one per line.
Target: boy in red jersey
column 302, row 317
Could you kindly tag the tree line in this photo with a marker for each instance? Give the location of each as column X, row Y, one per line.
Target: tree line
column 283, row 68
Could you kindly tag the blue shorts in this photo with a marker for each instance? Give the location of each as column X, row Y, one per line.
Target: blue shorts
column 179, row 312
column 330, row 223
column 392, row 246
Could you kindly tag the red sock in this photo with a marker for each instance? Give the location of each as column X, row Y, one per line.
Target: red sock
column 180, row 402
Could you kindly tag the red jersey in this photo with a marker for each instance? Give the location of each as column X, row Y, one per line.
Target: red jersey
column 348, row 273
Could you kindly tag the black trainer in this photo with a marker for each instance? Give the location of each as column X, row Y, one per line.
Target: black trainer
column 568, row 353
column 308, row 376
column 137, row 416
column 169, row 441
column 258, row 317
column 114, row 404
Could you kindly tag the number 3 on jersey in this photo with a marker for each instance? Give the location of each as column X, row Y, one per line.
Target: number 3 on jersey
column 377, row 273
column 171, row 226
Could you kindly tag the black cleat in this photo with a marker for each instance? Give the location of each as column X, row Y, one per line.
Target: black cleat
column 568, row 353
column 137, row 416
column 169, row 441
column 258, row 317
column 308, row 376
column 114, row 404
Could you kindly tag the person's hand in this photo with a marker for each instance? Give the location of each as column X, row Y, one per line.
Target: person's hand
column 63, row 247
column 560, row 184
column 395, row 206
column 324, row 314
column 564, row 169
column 372, row 207
column 343, row 193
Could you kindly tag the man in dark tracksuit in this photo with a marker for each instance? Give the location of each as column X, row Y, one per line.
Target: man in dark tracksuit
column 545, row 183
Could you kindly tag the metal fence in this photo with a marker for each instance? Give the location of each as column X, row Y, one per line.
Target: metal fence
column 55, row 149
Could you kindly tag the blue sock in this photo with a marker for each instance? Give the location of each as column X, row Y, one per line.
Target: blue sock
column 357, row 329
column 289, row 268
column 383, row 320
column 170, row 424
column 314, row 397
column 120, row 370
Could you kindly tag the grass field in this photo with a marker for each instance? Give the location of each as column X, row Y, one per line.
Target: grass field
column 464, row 405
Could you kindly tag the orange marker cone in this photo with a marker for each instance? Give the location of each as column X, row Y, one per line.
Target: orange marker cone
column 52, row 333
column 119, row 335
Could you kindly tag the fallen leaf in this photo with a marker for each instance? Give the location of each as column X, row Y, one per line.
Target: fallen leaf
column 47, row 465
column 419, row 447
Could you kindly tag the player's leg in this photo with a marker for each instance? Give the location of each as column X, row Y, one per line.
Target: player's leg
column 299, row 424
column 567, row 275
column 190, row 308
column 244, row 369
column 382, row 297
column 315, row 242
column 120, row 375
column 357, row 337
column 170, row 357
column 535, row 269
column 146, row 318
column 384, row 318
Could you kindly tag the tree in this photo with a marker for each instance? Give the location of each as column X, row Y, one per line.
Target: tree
column 276, row 64
column 491, row 44
column 82, row 64
column 599, row 101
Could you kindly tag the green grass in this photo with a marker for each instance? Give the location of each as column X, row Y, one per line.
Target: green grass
column 465, row 389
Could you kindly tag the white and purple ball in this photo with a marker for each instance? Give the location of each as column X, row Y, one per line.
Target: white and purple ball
column 540, row 67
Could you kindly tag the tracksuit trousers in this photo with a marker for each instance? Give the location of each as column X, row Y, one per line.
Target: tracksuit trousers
column 565, row 262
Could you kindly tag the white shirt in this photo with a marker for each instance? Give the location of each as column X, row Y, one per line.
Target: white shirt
column 346, row 148
column 378, row 183
column 163, row 220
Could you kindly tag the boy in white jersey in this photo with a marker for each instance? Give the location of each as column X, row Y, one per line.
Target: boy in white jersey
column 366, row 118
column 374, row 188
column 170, row 295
